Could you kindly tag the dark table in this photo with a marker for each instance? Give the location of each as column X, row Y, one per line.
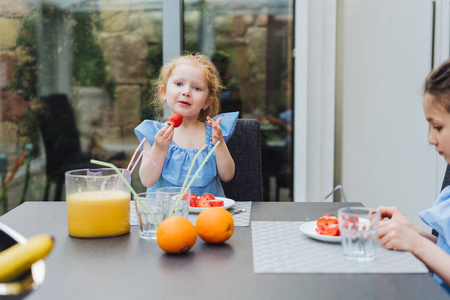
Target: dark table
column 129, row 268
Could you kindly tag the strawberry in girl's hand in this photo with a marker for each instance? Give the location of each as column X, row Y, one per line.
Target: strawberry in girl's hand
column 175, row 120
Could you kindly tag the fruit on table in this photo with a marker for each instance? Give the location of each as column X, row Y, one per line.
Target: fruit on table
column 175, row 120
column 215, row 225
column 18, row 258
column 176, row 235
column 207, row 196
column 202, row 202
column 328, row 225
column 205, row 200
column 193, row 201
column 348, row 223
column 216, row 203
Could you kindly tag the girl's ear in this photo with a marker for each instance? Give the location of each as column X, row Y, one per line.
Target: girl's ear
column 207, row 103
column 162, row 92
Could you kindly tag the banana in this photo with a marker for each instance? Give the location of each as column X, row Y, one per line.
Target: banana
column 18, row 258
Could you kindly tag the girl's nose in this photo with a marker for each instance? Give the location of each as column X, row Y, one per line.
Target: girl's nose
column 432, row 139
column 186, row 92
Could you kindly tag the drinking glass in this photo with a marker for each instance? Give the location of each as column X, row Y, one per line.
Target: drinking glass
column 177, row 207
column 151, row 211
column 359, row 232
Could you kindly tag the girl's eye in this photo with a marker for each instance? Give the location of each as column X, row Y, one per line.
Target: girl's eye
column 178, row 83
column 438, row 128
column 197, row 89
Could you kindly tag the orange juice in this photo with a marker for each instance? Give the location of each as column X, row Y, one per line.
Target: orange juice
column 98, row 214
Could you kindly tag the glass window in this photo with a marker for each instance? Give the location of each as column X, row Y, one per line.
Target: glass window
column 251, row 44
column 74, row 80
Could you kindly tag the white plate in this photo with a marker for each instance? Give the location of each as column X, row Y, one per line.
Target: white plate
column 227, row 203
column 309, row 229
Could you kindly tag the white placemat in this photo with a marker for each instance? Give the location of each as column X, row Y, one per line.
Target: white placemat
column 280, row 247
column 241, row 219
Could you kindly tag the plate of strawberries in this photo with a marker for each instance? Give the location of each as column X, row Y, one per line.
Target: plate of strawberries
column 324, row 229
column 207, row 200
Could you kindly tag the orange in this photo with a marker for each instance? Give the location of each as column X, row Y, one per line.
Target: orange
column 176, row 235
column 215, row 225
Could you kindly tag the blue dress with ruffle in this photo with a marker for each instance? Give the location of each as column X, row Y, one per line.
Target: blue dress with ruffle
column 178, row 160
column 438, row 218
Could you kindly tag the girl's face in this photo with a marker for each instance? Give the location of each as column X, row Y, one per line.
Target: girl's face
column 187, row 90
column 439, row 121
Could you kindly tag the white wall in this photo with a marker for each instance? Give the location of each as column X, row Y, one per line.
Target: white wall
column 314, row 94
column 382, row 156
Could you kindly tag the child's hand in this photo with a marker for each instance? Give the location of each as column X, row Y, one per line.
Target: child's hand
column 164, row 137
column 393, row 213
column 224, row 161
column 395, row 235
column 217, row 131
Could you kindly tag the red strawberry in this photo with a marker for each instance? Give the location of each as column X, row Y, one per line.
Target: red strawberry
column 203, row 200
column 327, row 220
column 328, row 225
column 203, row 203
column 193, row 201
column 175, row 120
column 332, row 229
column 207, row 196
column 216, row 203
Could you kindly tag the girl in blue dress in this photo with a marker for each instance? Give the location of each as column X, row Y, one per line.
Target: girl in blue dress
column 397, row 232
column 190, row 85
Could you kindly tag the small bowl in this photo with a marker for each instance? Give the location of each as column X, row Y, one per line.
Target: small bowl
column 26, row 282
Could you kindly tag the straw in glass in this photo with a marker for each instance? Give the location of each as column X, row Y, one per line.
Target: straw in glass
column 105, row 164
column 339, row 187
column 192, row 165
column 139, row 157
column 135, row 152
column 132, row 158
column 183, row 192
column 201, row 166
column 148, row 155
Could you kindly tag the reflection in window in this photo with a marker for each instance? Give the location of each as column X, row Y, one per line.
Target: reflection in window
column 251, row 44
column 96, row 60
column 74, row 80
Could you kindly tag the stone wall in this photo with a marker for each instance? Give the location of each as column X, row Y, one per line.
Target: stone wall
column 248, row 38
column 12, row 105
column 107, row 116
column 125, row 38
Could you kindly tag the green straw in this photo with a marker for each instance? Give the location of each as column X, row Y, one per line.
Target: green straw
column 183, row 192
column 190, row 168
column 105, row 164
column 203, row 163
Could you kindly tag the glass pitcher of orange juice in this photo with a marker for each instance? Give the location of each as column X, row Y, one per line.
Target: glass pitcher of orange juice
column 98, row 203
